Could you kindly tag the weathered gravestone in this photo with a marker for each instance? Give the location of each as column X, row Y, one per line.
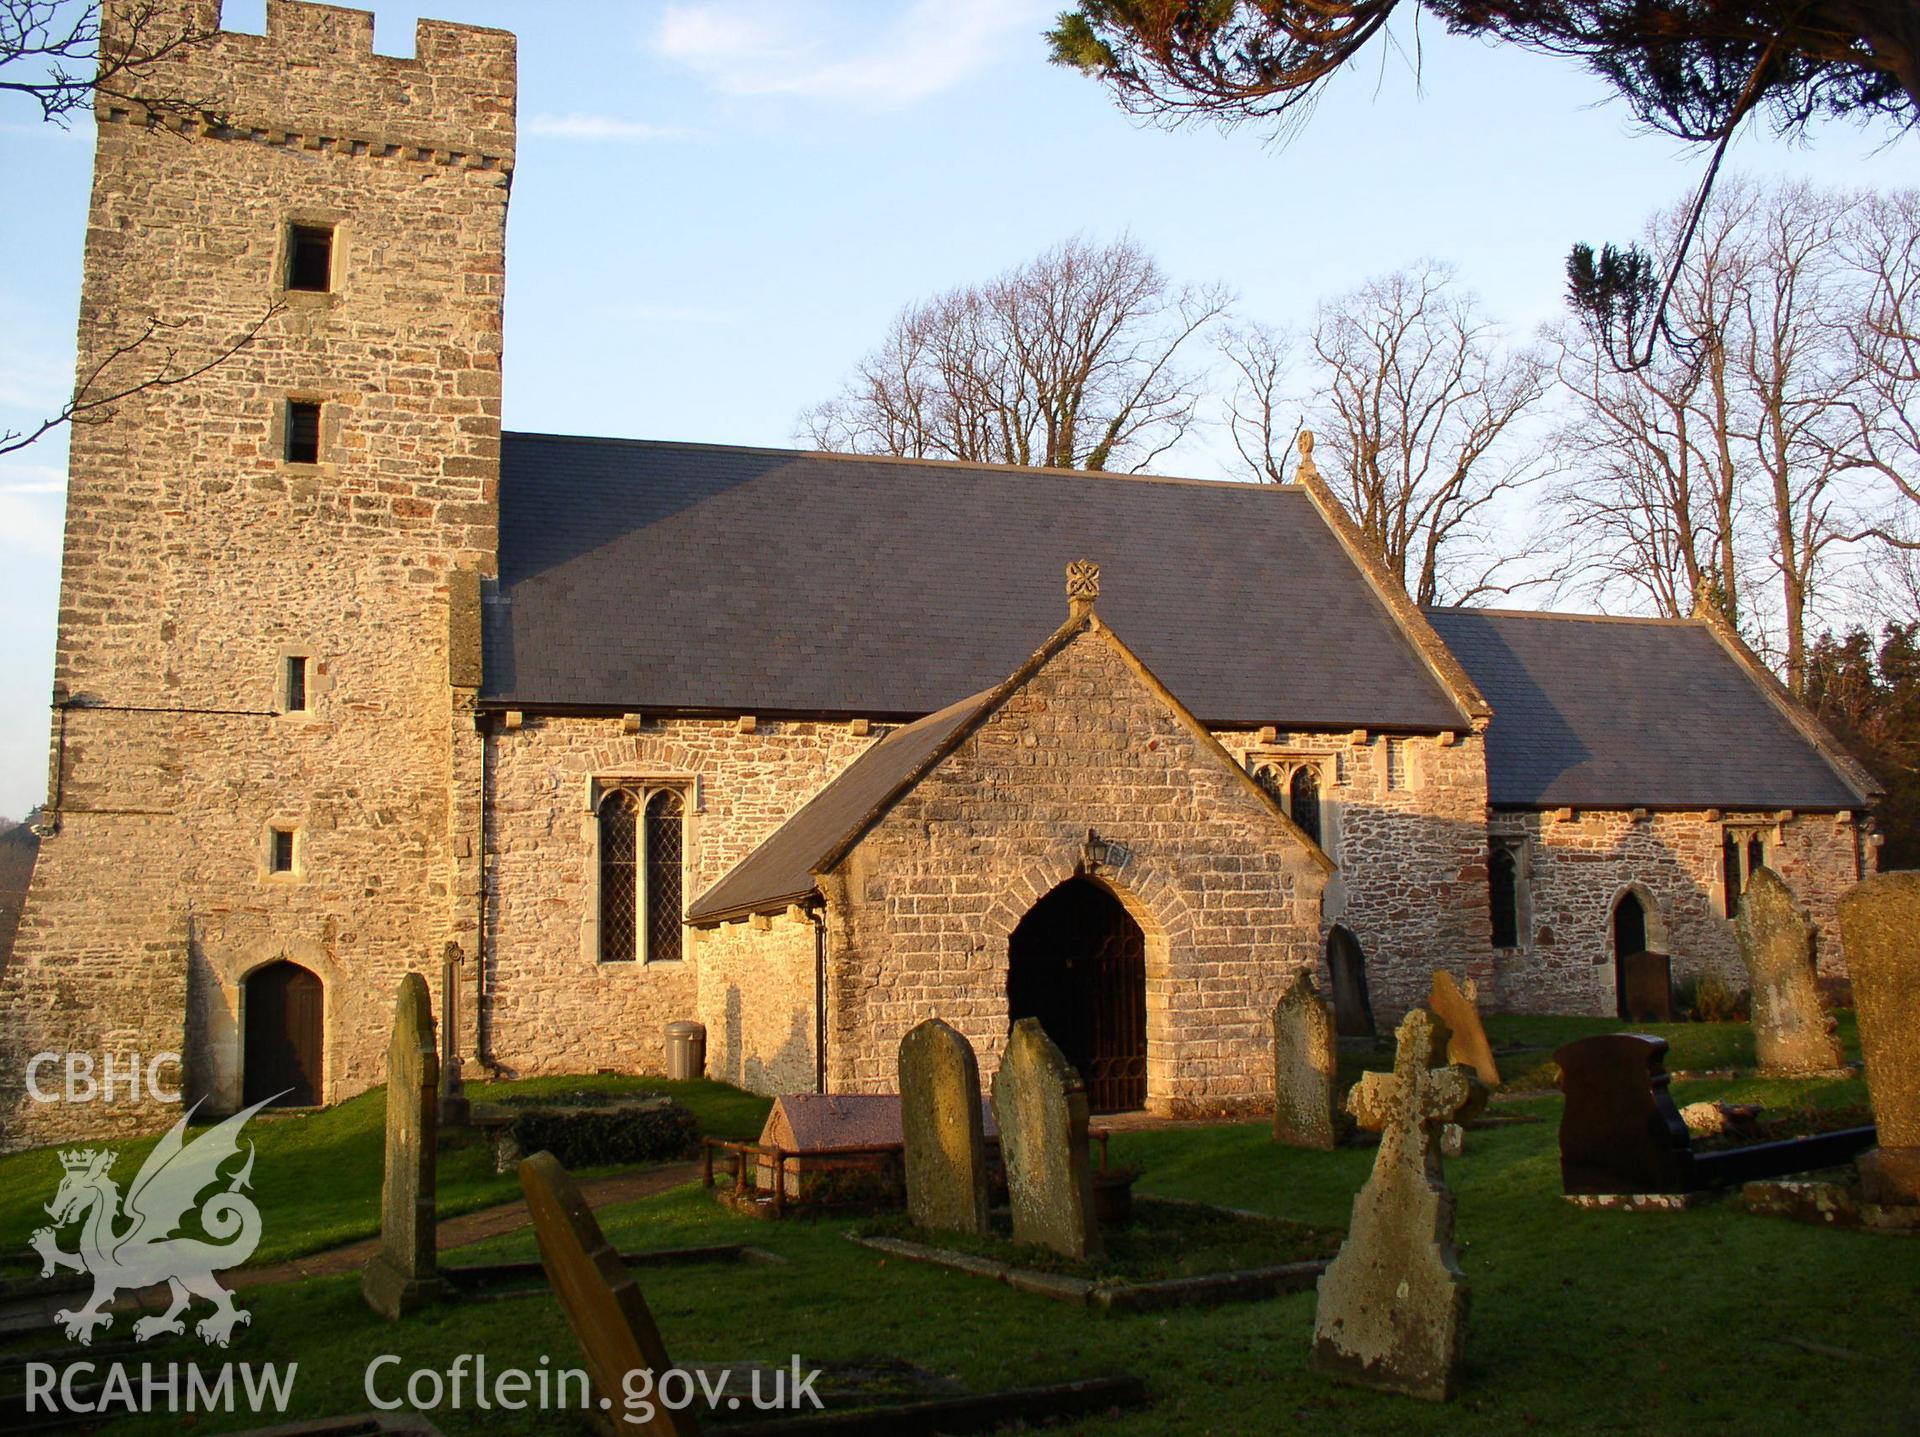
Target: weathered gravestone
column 1392, row 1309
column 1306, row 1107
column 1040, row 1107
column 455, row 1110
column 1347, row 966
column 1880, row 925
column 1458, row 1010
column 1646, row 987
column 1619, row 1129
column 941, row 1130
column 602, row 1302
column 1792, row 1030
column 401, row 1275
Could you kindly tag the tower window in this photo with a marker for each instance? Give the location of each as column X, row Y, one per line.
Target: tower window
column 296, row 700
column 310, row 261
column 303, row 432
column 280, row 860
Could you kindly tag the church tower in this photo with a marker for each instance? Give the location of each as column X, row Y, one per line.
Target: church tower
column 263, row 792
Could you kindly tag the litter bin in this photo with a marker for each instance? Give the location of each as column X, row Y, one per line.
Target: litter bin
column 686, row 1050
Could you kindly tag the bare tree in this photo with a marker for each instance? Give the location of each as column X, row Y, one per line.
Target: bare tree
column 1067, row 361
column 1653, row 490
column 1880, row 255
column 63, row 56
column 1261, row 358
column 1418, row 399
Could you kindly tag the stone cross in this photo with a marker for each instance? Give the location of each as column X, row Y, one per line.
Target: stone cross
column 1040, row 1108
column 401, row 1276
column 602, row 1302
column 455, row 1111
column 942, row 1133
column 1880, row 925
column 1083, row 584
column 1459, row 1009
column 1306, row 1108
column 1392, row 1308
column 1792, row 1030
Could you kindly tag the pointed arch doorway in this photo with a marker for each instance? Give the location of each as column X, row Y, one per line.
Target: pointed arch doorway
column 1078, row 963
column 285, row 1016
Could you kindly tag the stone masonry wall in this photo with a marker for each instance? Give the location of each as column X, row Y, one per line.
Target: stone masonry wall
column 552, row 1006
column 756, row 999
column 1581, row 863
column 921, row 910
column 197, row 559
column 1412, row 850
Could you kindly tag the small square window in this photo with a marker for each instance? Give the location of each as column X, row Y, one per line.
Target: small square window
column 310, row 259
column 281, row 859
column 303, row 432
column 296, row 683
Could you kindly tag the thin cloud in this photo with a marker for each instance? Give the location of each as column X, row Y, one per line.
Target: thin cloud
column 753, row 47
column 599, row 127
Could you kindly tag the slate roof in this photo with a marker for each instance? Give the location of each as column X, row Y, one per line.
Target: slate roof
column 780, row 870
column 684, row 577
column 1625, row 713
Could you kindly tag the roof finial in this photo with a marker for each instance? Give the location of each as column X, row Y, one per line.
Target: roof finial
column 1083, row 586
column 1305, row 445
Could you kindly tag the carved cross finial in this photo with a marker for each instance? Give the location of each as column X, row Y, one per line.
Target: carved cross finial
column 1305, row 445
column 1422, row 1093
column 1083, row 585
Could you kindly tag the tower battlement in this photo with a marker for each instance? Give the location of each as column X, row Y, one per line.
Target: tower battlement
column 314, row 80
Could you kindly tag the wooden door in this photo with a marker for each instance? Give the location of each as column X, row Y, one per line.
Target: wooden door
column 285, row 1036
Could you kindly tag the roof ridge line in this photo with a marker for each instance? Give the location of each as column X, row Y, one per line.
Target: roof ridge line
column 838, row 456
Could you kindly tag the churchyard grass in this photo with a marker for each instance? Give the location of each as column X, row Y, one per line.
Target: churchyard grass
column 317, row 1174
column 1598, row 1322
column 1164, row 1240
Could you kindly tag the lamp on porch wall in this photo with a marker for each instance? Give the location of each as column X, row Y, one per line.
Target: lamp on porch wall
column 1094, row 853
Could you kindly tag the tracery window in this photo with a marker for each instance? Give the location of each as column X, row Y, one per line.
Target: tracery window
column 642, row 857
column 1743, row 852
column 1296, row 785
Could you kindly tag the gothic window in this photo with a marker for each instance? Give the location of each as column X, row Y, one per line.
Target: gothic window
column 665, row 845
column 1294, row 784
column 1503, row 892
column 1303, row 800
column 619, row 887
column 642, row 853
column 1743, row 851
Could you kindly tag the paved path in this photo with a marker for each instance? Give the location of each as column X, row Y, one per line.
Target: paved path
column 34, row 1310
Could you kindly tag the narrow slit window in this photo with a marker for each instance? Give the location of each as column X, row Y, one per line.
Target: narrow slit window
column 1503, row 895
column 296, row 684
column 282, row 858
column 1396, row 764
column 310, row 262
column 303, row 432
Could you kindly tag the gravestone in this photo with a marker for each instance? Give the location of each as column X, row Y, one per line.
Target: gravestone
column 455, row 1110
column 602, row 1301
column 401, row 1276
column 1792, row 1030
column 1392, row 1308
column 1040, row 1107
column 1880, row 925
column 941, row 1130
column 1619, row 1129
column 1306, row 1109
column 1646, row 987
column 1460, row 1012
column 1347, row 966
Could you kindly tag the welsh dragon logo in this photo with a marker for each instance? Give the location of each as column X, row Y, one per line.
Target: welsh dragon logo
column 145, row 1251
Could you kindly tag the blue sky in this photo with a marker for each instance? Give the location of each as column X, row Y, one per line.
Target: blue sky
column 718, row 206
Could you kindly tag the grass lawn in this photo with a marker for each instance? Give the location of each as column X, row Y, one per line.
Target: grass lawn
column 317, row 1175
column 1164, row 1240
column 1582, row 1322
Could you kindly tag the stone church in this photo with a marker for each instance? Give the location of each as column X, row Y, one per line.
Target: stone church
column 804, row 747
